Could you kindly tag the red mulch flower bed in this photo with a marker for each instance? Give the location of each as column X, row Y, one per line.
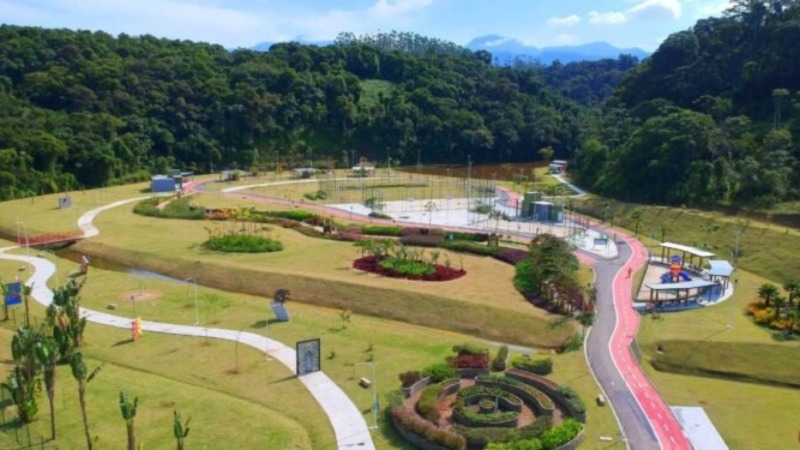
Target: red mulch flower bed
column 370, row 264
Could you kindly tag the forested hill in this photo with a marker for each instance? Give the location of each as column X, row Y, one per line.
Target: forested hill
column 713, row 116
column 89, row 109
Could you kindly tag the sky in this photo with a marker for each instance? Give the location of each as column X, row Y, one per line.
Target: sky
column 244, row 23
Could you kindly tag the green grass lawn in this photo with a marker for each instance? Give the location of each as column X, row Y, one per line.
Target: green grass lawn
column 325, row 277
column 211, row 365
column 372, row 90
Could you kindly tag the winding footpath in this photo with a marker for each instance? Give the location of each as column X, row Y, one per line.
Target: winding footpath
column 347, row 421
column 645, row 419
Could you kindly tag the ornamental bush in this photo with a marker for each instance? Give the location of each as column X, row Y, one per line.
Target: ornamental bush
column 470, row 247
column 542, row 366
column 243, row 243
column 408, row 267
column 438, row 372
column 176, row 209
column 412, row 423
column 408, row 379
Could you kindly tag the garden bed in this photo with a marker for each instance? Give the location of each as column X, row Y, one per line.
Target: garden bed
column 441, row 273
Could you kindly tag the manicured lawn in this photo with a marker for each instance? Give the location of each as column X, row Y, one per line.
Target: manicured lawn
column 325, row 276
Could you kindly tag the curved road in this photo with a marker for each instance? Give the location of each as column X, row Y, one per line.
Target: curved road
column 347, row 421
column 645, row 419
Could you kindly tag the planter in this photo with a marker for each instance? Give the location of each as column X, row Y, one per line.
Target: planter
column 471, row 373
column 529, row 398
column 548, row 387
column 416, row 387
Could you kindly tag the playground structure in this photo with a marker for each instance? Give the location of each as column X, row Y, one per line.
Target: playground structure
column 676, row 273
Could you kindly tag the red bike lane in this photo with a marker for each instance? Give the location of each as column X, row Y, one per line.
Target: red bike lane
column 666, row 427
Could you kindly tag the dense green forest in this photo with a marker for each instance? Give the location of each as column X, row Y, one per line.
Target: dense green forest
column 712, row 117
column 89, row 109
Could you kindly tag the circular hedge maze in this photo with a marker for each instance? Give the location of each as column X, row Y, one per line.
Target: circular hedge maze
column 449, row 407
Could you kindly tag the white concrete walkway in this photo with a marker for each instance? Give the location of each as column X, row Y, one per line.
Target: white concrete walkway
column 347, row 422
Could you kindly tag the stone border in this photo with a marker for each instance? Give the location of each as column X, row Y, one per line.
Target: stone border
column 521, row 393
column 416, row 387
column 548, row 387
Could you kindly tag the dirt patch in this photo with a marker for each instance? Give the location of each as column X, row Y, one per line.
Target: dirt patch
column 140, row 295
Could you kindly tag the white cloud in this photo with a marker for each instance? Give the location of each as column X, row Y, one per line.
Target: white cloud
column 656, row 9
column 391, row 8
column 566, row 21
column 607, row 18
column 566, row 39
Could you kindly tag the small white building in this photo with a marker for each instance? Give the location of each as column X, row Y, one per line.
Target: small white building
column 558, row 167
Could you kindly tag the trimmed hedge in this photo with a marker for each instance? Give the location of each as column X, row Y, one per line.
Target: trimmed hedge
column 242, row 243
column 573, row 399
column 470, row 247
column 479, row 437
column 499, row 361
column 407, row 422
column 382, row 230
column 543, row 404
column 422, row 240
column 542, row 366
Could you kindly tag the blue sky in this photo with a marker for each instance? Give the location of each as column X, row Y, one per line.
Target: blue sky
column 244, row 23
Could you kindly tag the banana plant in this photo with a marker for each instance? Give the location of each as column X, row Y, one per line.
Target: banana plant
column 179, row 430
column 128, row 411
column 48, row 355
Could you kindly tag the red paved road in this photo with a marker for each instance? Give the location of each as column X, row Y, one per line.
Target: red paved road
column 666, row 427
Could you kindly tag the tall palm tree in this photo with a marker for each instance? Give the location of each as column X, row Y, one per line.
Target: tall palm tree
column 48, row 355
column 779, row 301
column 128, row 411
column 83, row 377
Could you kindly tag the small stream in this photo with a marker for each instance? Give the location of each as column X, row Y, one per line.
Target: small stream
column 104, row 264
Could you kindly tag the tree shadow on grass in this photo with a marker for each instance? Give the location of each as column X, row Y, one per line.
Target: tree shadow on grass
column 782, row 336
column 259, row 324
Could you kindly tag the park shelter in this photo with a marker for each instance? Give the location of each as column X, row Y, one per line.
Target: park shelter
column 162, row 183
column 678, row 292
column 558, row 166
column 693, row 252
column 527, row 202
column 720, row 271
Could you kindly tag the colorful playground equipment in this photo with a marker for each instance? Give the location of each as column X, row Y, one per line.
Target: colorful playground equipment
column 676, row 273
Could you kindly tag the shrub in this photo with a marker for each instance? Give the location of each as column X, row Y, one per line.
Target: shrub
column 297, row 215
column 379, row 215
column 243, row 243
column 496, row 435
column 377, row 230
column 469, row 348
column 438, row 372
column 408, row 267
column 470, row 361
column 428, row 404
column 510, row 255
column 575, row 342
column 560, row 435
column 482, row 209
column 573, row 399
column 499, row 361
column 542, row 366
column 422, row 240
column 408, row 379
column 469, row 247
column 176, row 209
column 412, row 423
column 544, row 400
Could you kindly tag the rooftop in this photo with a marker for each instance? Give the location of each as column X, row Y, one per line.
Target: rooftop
column 720, row 268
column 694, row 284
column 690, row 250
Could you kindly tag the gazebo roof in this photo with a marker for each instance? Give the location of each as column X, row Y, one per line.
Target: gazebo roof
column 694, row 284
column 690, row 250
column 720, row 268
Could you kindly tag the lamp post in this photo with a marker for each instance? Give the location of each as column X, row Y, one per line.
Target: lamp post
column 196, row 309
column 375, row 404
column 27, row 239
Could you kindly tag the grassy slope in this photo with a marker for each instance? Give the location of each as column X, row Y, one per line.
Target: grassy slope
column 325, row 277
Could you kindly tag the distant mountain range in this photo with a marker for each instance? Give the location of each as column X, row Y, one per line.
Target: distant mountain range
column 506, row 50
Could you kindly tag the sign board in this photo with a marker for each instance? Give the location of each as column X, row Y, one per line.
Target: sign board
column 13, row 293
column 280, row 311
column 308, row 356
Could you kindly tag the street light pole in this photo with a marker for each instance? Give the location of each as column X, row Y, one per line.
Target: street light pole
column 375, row 404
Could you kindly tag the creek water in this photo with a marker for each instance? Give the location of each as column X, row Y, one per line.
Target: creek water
column 105, row 264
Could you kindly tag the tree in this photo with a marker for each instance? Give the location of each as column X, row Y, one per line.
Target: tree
column 792, row 288
column 83, row 377
column 778, row 301
column 48, row 355
column 777, row 98
column 128, row 410
column 636, row 217
column 768, row 293
column 179, row 430
column 546, row 153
